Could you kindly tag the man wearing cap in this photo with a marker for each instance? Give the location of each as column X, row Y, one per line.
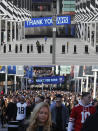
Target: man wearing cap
column 59, row 114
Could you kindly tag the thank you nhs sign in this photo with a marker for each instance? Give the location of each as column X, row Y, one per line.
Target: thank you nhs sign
column 47, row 21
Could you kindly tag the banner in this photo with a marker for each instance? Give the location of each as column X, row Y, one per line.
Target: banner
column 11, row 70
column 28, row 71
column 2, row 69
column 47, row 21
column 48, row 80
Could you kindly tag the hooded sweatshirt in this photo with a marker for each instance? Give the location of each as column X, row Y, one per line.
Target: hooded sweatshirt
column 78, row 115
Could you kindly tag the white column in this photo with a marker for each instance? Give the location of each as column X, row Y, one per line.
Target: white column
column 15, row 83
column 81, row 85
column 58, row 7
column 78, row 86
column 5, row 33
column 95, row 78
column 87, row 84
column 6, row 80
column 15, row 30
column 90, row 33
column 10, row 31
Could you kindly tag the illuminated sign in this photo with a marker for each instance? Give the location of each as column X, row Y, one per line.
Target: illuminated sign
column 47, row 21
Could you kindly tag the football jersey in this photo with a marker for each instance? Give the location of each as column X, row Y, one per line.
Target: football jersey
column 21, row 111
column 79, row 114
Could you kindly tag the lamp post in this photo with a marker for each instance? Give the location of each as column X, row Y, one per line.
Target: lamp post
column 54, row 39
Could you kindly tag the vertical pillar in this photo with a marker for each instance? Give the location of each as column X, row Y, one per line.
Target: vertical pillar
column 87, row 84
column 0, row 31
column 81, row 30
column 81, row 85
column 6, row 80
column 75, row 86
column 95, row 78
column 86, row 32
column 10, row 31
column 5, row 33
column 24, row 30
column 15, row 83
column 95, row 32
column 78, row 86
column 54, row 41
column 90, row 34
column 21, row 30
column 18, row 31
column 15, row 30
column 58, row 7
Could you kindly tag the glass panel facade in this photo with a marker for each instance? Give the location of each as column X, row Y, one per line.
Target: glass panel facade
column 68, row 6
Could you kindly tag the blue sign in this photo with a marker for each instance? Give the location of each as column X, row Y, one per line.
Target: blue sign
column 12, row 70
column 48, row 80
column 47, row 21
column 2, row 69
column 28, row 71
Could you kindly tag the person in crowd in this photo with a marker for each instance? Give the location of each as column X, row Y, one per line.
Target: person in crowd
column 40, row 119
column 3, row 114
column 39, row 99
column 11, row 110
column 80, row 112
column 48, row 100
column 91, row 123
column 59, row 114
column 95, row 103
column 21, row 109
column 30, row 106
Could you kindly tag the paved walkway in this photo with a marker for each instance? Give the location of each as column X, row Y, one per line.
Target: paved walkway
column 3, row 129
column 45, row 57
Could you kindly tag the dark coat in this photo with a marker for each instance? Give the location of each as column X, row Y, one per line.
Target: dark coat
column 91, row 123
column 65, row 115
column 11, row 111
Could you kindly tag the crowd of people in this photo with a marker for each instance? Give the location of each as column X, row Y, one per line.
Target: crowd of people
column 49, row 111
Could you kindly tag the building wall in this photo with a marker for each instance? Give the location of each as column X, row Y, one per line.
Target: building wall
column 23, row 3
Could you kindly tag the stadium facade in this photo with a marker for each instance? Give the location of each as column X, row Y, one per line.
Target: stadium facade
column 45, row 8
column 86, row 19
column 13, row 14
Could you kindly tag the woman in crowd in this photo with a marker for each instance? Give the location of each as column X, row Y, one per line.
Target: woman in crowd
column 41, row 118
